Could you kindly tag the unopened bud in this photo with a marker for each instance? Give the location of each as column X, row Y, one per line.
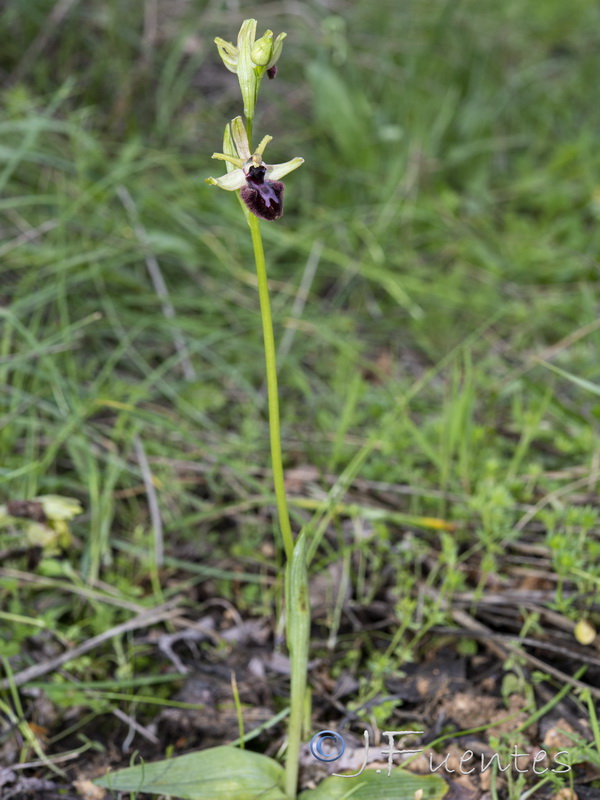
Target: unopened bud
column 262, row 50
column 250, row 60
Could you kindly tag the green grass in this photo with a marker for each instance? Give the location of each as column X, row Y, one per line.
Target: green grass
column 451, row 198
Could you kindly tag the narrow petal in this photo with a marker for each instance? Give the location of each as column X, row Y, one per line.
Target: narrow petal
column 263, row 143
column 277, row 171
column 231, row 182
column 235, row 162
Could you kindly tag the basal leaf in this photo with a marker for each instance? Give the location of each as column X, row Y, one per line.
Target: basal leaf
column 219, row 773
column 370, row 785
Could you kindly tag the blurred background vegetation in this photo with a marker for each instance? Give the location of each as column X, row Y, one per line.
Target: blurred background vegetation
column 439, row 248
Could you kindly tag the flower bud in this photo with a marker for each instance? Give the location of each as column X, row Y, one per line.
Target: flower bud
column 250, row 60
column 262, row 50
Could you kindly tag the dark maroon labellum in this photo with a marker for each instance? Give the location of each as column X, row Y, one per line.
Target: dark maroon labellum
column 264, row 198
column 272, row 71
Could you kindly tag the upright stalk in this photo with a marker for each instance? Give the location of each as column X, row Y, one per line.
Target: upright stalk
column 249, row 122
column 298, row 639
column 261, row 195
column 272, row 391
column 296, row 579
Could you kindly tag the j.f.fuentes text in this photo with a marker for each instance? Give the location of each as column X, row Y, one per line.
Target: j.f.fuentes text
column 538, row 763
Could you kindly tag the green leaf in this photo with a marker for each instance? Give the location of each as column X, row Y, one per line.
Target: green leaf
column 218, row 773
column 370, row 785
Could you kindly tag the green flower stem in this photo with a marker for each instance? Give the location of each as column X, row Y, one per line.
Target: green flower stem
column 297, row 602
column 249, row 122
column 271, row 372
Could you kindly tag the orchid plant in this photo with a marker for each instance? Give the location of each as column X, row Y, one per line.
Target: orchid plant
column 261, row 194
column 223, row 773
